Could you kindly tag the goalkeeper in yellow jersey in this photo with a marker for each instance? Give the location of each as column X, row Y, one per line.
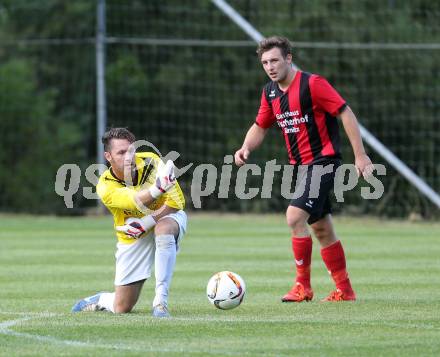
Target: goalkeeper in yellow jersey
column 147, row 206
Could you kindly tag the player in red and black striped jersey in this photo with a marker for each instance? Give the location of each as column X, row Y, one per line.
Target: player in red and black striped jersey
column 306, row 114
column 306, row 108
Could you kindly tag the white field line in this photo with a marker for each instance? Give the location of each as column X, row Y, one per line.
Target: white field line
column 5, row 330
column 6, row 325
column 9, row 323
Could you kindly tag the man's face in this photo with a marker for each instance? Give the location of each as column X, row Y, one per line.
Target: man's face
column 275, row 65
column 120, row 155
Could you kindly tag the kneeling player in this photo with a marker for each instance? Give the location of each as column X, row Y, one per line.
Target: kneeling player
column 147, row 205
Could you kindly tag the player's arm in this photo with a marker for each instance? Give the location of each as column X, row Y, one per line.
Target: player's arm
column 163, row 211
column 363, row 163
column 165, row 180
column 253, row 140
column 136, row 227
column 256, row 133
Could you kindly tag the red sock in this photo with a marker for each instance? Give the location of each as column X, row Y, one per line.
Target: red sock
column 302, row 251
column 334, row 259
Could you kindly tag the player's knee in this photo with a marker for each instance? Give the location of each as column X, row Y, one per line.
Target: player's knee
column 296, row 222
column 123, row 307
column 165, row 241
column 166, row 226
column 324, row 235
column 320, row 232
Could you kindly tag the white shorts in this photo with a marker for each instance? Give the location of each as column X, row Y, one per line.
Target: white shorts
column 134, row 261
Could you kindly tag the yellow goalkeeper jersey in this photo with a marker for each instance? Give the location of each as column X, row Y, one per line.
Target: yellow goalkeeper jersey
column 119, row 198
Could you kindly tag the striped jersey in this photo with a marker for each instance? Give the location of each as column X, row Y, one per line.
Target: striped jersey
column 306, row 114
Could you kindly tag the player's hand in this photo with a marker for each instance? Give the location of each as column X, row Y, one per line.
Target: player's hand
column 136, row 227
column 165, row 179
column 133, row 227
column 241, row 156
column 364, row 166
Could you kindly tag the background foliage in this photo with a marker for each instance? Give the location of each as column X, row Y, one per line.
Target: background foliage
column 200, row 98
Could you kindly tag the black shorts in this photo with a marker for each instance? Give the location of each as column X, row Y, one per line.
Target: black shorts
column 313, row 186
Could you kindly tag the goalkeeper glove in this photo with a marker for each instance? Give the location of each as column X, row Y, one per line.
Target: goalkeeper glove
column 165, row 179
column 136, row 227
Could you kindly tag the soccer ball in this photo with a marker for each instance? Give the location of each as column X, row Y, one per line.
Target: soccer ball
column 225, row 290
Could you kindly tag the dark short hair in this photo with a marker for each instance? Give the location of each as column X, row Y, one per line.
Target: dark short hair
column 116, row 133
column 275, row 41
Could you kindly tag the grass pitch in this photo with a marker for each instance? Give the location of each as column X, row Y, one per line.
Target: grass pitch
column 47, row 263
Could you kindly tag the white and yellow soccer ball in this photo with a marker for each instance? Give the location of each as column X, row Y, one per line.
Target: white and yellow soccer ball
column 226, row 290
